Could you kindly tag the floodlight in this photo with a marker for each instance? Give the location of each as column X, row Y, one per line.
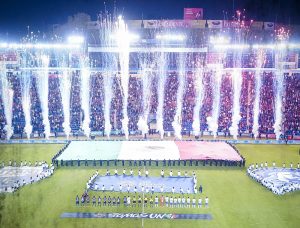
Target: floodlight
column 232, row 46
column 76, row 39
column 219, row 40
column 171, row 37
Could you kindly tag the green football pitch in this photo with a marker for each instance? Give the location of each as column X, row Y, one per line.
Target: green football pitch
column 235, row 199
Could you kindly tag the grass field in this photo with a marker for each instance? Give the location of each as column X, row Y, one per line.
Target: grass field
column 235, row 199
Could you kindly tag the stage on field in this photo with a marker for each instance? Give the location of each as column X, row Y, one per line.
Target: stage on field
column 146, row 150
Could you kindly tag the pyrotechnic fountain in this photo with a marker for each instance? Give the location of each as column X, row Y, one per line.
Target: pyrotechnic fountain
column 85, row 94
column 43, row 88
column 161, row 80
column 146, row 77
column 181, row 78
column 278, row 88
column 109, row 61
column 259, row 65
column 7, row 98
column 65, row 90
column 237, row 84
column 26, row 103
column 199, row 98
column 123, row 41
column 212, row 121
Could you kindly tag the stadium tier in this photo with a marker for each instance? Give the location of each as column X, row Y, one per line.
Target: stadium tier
column 179, row 80
column 257, row 106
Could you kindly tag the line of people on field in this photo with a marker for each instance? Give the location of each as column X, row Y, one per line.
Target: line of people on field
column 162, row 201
column 142, row 189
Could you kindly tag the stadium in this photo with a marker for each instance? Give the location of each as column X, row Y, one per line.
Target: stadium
column 187, row 122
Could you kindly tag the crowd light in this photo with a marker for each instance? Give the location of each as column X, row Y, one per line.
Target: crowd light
column 171, row 37
column 129, row 36
column 294, row 46
column 219, row 40
column 263, row 46
column 133, row 37
column 232, row 46
column 76, row 39
column 38, row 46
column 279, row 46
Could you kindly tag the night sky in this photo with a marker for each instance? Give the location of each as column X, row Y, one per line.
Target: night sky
column 15, row 15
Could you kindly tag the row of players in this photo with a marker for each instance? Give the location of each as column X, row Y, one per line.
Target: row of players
column 262, row 165
column 24, row 163
column 143, row 189
column 162, row 173
column 138, row 201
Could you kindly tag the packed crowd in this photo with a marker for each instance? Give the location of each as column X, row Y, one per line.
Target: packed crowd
column 291, row 107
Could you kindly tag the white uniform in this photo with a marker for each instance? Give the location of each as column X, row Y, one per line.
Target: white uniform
column 188, row 201
column 199, row 202
column 179, row 201
column 162, row 173
column 179, row 173
column 167, row 201
column 175, row 202
column 161, row 189
column 156, row 201
column 171, row 173
column 183, row 202
column 206, row 201
column 128, row 201
column 194, row 202
column 171, row 201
